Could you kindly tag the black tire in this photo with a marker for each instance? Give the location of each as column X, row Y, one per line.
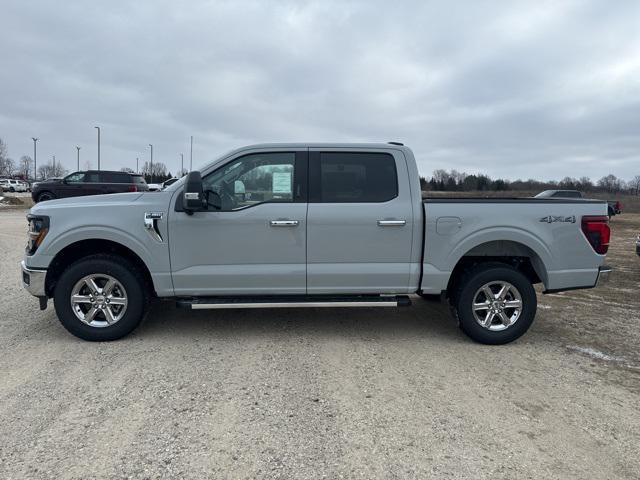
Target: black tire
column 120, row 269
column 468, row 286
column 12, row 190
column 44, row 196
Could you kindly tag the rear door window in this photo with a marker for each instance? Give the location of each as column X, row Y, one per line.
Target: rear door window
column 138, row 179
column 115, row 177
column 352, row 177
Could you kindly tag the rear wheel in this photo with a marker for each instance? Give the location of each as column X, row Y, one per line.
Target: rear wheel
column 101, row 298
column 44, row 196
column 495, row 303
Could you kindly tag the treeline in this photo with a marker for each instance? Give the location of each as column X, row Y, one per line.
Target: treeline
column 454, row 181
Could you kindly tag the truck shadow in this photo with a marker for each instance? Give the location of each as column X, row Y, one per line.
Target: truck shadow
column 423, row 318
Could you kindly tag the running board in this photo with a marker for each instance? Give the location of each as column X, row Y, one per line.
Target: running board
column 209, row 303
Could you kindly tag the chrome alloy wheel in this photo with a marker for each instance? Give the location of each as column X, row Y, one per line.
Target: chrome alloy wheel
column 497, row 305
column 99, row 300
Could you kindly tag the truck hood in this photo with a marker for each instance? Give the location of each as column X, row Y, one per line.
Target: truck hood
column 86, row 201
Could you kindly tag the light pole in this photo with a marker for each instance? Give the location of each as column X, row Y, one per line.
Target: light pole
column 137, row 171
column 191, row 155
column 151, row 165
column 181, row 164
column 54, row 166
column 98, row 147
column 78, row 148
column 35, row 158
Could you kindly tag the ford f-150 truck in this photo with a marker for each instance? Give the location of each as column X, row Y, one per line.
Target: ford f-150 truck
column 309, row 225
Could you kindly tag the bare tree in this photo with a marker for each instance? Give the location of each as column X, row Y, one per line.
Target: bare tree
column 610, row 183
column 634, row 185
column 7, row 167
column 4, row 150
column 25, row 165
column 49, row 170
column 585, row 184
column 159, row 173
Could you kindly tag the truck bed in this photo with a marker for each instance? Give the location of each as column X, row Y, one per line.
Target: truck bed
column 546, row 231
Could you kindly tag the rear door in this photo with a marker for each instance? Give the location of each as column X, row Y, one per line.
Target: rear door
column 115, row 182
column 359, row 222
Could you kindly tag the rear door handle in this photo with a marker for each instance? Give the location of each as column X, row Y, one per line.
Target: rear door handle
column 284, row 223
column 391, row 223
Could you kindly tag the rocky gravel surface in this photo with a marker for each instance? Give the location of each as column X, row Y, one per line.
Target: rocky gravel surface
column 323, row 393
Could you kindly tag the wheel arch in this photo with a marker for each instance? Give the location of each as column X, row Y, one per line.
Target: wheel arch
column 514, row 253
column 84, row 248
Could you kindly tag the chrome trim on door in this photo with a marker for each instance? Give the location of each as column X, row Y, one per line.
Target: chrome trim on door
column 284, row 223
column 392, row 223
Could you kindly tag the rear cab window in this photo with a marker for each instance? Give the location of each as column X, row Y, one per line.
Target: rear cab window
column 352, row 177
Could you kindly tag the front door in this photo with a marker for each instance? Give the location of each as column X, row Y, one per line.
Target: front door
column 255, row 244
column 359, row 223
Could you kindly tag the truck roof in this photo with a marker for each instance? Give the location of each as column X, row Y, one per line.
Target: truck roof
column 394, row 145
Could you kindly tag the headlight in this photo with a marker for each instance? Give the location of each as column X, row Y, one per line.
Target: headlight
column 38, row 229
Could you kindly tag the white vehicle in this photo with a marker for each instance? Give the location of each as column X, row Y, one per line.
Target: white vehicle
column 156, row 187
column 10, row 185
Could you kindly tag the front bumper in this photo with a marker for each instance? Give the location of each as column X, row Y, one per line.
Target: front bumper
column 33, row 281
column 603, row 275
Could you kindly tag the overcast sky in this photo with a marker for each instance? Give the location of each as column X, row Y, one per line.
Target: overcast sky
column 513, row 89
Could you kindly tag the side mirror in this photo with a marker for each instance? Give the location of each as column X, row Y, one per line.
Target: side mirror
column 193, row 198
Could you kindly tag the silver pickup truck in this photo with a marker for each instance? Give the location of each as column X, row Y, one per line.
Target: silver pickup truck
column 309, row 225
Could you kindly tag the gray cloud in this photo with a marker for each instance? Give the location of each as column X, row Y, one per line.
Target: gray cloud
column 537, row 89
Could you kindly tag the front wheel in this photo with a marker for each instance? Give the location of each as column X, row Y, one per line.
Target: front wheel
column 44, row 196
column 101, row 298
column 495, row 303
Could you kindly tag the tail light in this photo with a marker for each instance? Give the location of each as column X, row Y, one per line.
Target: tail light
column 133, row 188
column 618, row 206
column 597, row 231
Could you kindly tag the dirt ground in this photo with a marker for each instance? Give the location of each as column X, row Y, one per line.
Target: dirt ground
column 361, row 393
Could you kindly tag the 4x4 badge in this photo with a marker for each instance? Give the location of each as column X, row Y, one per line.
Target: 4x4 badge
column 558, row 218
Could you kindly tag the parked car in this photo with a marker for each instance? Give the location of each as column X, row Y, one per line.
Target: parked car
column 91, row 182
column 614, row 206
column 638, row 245
column 11, row 185
column 309, row 225
column 156, row 187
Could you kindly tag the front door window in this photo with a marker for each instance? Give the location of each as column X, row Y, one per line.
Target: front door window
column 254, row 179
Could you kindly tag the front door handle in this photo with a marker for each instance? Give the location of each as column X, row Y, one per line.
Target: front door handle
column 391, row 223
column 284, row 223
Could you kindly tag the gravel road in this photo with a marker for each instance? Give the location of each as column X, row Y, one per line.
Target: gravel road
column 360, row 393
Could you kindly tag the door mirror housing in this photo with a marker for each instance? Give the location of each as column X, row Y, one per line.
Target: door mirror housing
column 193, row 198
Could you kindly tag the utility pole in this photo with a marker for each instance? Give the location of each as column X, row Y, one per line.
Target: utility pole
column 137, row 171
column 151, row 166
column 181, row 164
column 54, row 166
column 35, row 158
column 191, row 155
column 78, row 148
column 98, row 147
